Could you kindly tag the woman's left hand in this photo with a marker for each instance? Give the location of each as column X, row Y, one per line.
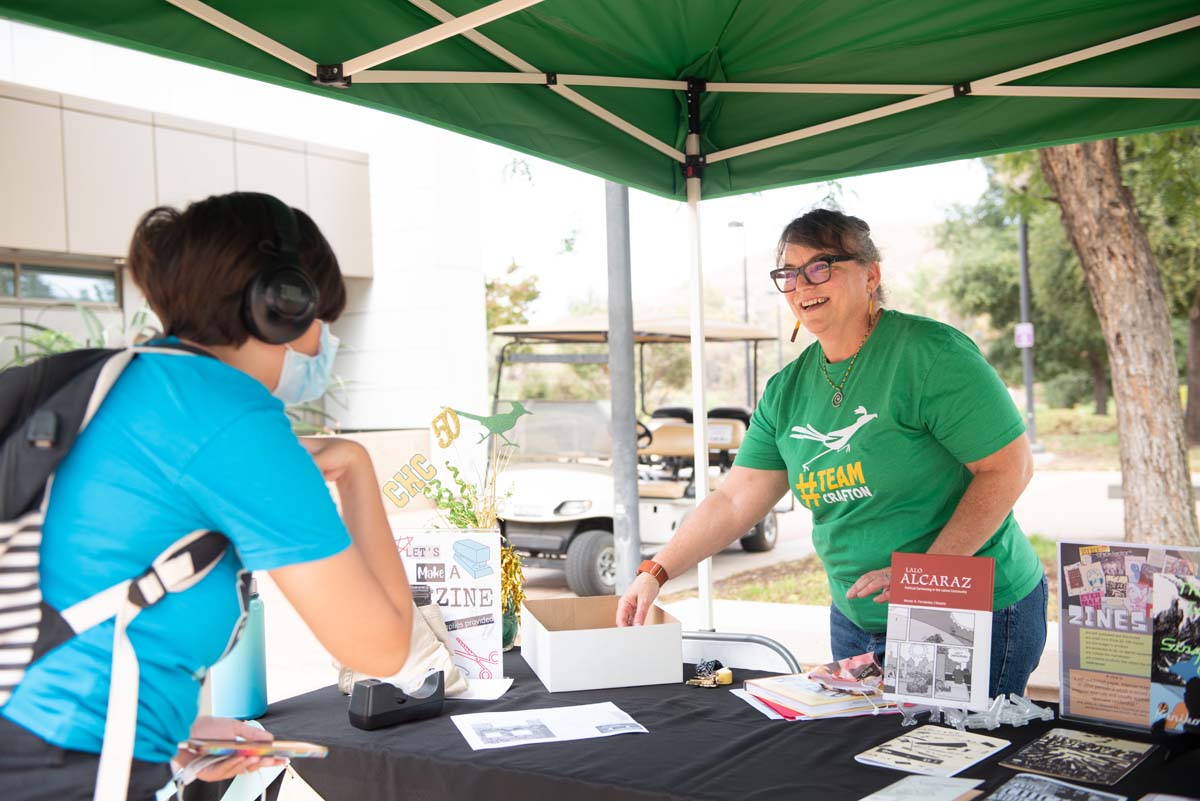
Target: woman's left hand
column 871, row 583
column 209, row 728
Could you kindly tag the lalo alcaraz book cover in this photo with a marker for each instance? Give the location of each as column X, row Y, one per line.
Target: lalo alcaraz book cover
column 1175, row 655
column 939, row 630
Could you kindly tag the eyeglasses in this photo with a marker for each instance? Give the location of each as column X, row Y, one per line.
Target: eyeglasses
column 816, row 270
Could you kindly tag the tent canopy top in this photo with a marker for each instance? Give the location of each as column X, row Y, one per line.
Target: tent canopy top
column 779, row 92
column 594, row 329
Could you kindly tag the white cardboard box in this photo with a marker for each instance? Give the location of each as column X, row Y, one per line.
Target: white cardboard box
column 575, row 644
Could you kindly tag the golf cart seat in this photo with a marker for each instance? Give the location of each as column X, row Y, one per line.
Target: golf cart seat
column 663, row 489
column 674, row 439
column 683, row 413
column 730, row 413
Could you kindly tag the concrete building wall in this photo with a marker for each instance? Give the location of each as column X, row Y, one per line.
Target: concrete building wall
column 91, row 136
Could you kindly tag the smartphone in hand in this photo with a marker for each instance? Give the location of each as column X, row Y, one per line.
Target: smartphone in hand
column 288, row 749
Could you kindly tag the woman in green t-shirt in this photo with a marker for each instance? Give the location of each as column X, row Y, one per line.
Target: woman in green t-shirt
column 896, row 434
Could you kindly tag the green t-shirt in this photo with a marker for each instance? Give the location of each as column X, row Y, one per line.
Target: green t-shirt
column 885, row 471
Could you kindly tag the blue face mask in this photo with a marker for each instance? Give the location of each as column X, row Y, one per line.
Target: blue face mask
column 305, row 378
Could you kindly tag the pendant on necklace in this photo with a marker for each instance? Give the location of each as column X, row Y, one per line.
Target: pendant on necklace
column 837, row 399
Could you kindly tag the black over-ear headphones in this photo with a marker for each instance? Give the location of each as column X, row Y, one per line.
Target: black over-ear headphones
column 280, row 303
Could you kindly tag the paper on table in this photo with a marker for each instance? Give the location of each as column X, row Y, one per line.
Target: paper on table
column 773, row 715
column 484, row 690
column 926, row 788
column 933, row 751
column 757, row 704
column 557, row 724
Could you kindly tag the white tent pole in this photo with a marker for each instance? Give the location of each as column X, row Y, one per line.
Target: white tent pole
column 1090, row 52
column 518, row 63
column 1117, row 92
column 612, row 119
column 699, row 407
column 945, row 94
column 827, row 88
column 247, row 34
column 433, row 76
column 438, row 33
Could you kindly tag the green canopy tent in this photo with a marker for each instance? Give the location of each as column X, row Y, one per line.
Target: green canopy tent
column 734, row 95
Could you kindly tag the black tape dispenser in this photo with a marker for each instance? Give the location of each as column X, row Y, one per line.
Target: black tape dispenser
column 375, row 704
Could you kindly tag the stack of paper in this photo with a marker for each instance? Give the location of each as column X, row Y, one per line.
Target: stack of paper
column 797, row 696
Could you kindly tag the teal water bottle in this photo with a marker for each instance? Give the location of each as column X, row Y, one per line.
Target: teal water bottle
column 239, row 681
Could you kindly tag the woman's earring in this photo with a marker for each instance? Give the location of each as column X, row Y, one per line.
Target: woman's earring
column 795, row 331
column 870, row 307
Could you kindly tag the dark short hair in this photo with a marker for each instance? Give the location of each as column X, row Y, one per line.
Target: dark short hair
column 826, row 229
column 193, row 265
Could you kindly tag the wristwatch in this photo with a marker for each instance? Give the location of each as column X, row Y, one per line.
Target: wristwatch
column 654, row 569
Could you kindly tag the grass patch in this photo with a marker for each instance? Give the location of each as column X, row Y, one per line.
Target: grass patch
column 803, row 581
column 1083, row 440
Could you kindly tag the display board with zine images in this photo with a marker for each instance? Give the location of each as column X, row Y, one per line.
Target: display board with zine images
column 939, row 631
column 1129, row 633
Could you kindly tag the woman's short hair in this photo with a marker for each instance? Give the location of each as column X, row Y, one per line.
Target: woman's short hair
column 826, row 229
column 194, row 265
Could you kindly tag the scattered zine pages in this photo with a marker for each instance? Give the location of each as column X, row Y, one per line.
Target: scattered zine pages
column 484, row 689
column 939, row 631
column 774, row 712
column 928, row 788
column 933, row 751
column 1079, row 756
column 484, row 730
column 1028, row 787
column 759, row 705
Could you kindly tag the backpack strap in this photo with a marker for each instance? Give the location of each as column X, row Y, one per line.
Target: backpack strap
column 181, row 566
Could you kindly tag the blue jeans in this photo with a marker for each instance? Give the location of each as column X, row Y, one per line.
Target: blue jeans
column 1018, row 637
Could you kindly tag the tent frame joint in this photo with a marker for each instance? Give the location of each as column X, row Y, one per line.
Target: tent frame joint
column 693, row 166
column 695, row 88
column 551, row 79
column 962, row 89
column 332, row 75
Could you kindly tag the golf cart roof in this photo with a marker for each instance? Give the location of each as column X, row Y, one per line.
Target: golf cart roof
column 595, row 329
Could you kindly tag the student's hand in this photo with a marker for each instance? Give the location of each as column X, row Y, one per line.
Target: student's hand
column 337, row 458
column 871, row 583
column 636, row 602
column 209, row 728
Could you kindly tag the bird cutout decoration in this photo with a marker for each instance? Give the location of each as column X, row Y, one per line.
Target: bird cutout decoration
column 497, row 424
column 835, row 440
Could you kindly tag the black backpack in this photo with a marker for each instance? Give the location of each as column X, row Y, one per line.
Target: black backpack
column 43, row 408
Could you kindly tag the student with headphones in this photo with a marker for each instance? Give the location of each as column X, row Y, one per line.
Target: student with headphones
column 201, row 441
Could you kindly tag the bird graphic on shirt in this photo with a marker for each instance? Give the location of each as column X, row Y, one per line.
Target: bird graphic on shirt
column 835, row 440
column 498, row 423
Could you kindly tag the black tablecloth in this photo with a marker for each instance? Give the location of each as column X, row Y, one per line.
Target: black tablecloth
column 703, row 744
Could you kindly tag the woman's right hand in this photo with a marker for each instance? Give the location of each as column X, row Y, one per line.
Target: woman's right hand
column 636, row 602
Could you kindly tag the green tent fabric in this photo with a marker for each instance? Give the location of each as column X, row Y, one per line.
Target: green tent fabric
column 927, row 42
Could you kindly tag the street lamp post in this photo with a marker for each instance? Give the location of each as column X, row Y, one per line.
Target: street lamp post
column 750, row 388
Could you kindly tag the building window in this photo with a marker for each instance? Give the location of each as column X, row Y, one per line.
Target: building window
column 41, row 279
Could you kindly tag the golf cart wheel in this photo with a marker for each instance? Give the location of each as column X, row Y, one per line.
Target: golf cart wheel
column 763, row 536
column 592, row 563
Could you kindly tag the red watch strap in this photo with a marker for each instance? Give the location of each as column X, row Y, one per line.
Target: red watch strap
column 654, row 569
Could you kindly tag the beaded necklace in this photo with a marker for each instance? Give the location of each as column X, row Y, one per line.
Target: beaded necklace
column 838, row 395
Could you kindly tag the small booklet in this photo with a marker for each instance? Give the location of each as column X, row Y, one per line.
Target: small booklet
column 1079, row 756
column 933, row 751
column 1028, row 787
column 928, row 788
column 939, row 630
column 857, row 673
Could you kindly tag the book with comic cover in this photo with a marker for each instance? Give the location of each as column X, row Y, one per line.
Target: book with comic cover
column 1175, row 654
column 939, row 630
column 1079, row 756
column 1121, row 664
column 798, row 693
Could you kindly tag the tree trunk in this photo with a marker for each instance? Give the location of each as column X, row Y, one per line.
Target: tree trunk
column 1193, row 375
column 1099, row 216
column 1099, row 383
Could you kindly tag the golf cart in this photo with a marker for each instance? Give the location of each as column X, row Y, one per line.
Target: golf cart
column 557, row 491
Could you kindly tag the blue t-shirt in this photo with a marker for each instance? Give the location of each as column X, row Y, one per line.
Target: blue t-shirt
column 181, row 443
